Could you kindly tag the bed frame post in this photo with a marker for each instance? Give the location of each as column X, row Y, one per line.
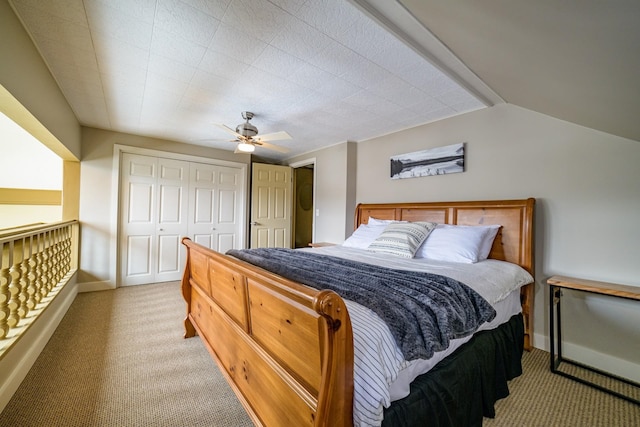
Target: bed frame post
column 189, row 330
column 335, row 400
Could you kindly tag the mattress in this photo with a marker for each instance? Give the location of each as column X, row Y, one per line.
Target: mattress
column 381, row 375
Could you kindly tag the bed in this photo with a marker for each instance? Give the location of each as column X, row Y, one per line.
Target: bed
column 287, row 349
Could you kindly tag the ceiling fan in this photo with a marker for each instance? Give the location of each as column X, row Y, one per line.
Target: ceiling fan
column 248, row 139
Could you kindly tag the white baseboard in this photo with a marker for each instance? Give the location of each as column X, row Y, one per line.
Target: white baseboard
column 15, row 364
column 605, row 362
column 104, row 285
column 541, row 341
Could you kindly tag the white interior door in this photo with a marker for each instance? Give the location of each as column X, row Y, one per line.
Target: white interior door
column 153, row 219
column 216, row 196
column 271, row 206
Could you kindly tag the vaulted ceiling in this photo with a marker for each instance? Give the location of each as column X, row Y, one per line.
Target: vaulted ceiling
column 330, row 71
column 575, row 60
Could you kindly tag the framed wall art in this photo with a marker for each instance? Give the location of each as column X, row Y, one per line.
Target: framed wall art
column 434, row 161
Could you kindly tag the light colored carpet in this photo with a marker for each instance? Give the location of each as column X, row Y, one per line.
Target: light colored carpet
column 119, row 359
column 539, row 398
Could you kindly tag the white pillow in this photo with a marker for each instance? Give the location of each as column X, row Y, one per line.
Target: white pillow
column 487, row 241
column 402, row 238
column 364, row 235
column 458, row 243
column 376, row 221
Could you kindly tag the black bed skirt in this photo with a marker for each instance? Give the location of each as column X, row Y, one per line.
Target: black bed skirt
column 463, row 388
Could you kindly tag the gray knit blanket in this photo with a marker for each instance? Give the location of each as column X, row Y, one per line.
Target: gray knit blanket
column 423, row 310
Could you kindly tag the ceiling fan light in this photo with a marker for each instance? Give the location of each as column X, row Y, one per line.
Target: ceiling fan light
column 245, row 147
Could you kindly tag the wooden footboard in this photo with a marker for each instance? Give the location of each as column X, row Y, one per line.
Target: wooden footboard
column 285, row 349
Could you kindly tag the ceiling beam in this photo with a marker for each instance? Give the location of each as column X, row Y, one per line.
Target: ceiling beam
column 396, row 19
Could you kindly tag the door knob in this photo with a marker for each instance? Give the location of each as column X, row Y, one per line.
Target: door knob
column 253, row 223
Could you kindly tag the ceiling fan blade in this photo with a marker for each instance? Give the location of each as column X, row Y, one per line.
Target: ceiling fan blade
column 271, row 146
column 212, row 140
column 276, row 136
column 228, row 129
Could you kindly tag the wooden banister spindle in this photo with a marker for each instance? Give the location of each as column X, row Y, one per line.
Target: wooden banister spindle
column 60, row 264
column 55, row 258
column 66, row 249
column 14, row 285
column 23, row 310
column 61, row 249
column 31, row 274
column 5, row 279
column 39, row 269
column 46, row 263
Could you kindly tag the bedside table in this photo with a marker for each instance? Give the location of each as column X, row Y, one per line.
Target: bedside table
column 321, row 244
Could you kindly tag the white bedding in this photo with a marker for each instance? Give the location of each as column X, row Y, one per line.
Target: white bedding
column 381, row 375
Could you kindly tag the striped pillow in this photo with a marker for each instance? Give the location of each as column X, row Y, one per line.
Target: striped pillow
column 402, row 239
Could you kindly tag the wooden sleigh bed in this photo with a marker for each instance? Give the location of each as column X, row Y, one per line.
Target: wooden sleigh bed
column 286, row 349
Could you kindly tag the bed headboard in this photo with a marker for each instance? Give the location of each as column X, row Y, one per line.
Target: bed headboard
column 514, row 242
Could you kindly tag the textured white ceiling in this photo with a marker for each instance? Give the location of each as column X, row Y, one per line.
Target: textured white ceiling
column 319, row 69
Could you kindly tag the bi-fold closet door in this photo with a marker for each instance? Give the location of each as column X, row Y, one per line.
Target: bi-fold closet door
column 163, row 200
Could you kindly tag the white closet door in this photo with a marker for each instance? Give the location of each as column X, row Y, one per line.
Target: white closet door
column 137, row 237
column 173, row 187
column 153, row 219
column 216, row 201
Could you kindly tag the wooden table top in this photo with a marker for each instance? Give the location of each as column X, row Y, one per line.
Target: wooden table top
column 604, row 288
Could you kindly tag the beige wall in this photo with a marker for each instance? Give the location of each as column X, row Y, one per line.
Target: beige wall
column 25, row 76
column 98, row 196
column 18, row 215
column 587, row 186
column 335, row 191
column 30, row 97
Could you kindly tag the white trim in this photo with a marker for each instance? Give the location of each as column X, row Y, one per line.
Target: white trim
column 306, row 162
column 299, row 164
column 175, row 156
column 104, row 285
column 118, row 150
column 541, row 341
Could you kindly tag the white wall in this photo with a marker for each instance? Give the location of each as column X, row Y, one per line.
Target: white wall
column 98, row 197
column 587, row 186
column 26, row 163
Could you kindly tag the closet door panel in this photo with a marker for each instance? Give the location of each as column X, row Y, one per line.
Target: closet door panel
column 172, row 220
column 216, row 206
column 163, row 200
column 138, row 219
